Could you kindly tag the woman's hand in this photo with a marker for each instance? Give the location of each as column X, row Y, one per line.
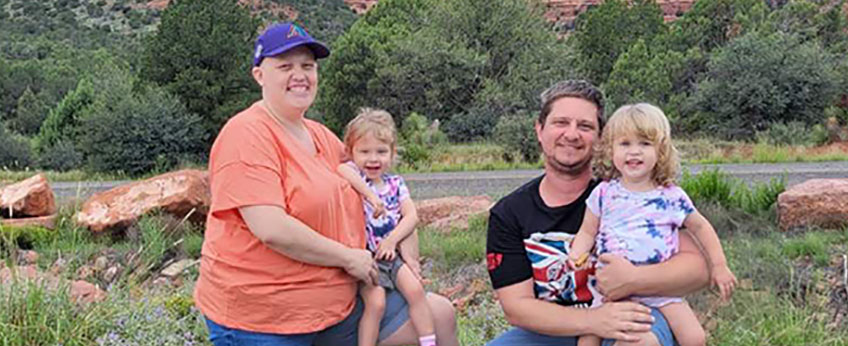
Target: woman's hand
column 386, row 250
column 361, row 265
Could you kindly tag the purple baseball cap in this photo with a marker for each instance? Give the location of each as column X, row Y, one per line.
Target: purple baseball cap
column 280, row 38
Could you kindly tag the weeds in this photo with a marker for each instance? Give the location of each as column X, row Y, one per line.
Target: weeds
column 717, row 187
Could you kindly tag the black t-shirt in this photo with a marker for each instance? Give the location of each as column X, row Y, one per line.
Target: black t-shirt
column 514, row 218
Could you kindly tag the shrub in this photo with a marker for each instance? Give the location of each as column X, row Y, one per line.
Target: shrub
column 151, row 131
column 62, row 156
column 470, row 126
column 15, row 152
column 791, row 133
column 517, row 134
column 759, row 79
column 418, row 140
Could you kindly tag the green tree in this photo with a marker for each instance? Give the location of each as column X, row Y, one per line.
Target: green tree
column 447, row 60
column 325, row 20
column 62, row 122
column 644, row 74
column 608, row 30
column 29, row 114
column 764, row 78
column 202, row 53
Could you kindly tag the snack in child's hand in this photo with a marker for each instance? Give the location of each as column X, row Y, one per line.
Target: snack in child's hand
column 582, row 259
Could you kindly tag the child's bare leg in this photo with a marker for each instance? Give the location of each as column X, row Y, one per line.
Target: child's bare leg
column 684, row 324
column 589, row 340
column 374, row 298
column 419, row 310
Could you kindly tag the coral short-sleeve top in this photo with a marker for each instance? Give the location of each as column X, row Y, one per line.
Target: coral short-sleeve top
column 246, row 285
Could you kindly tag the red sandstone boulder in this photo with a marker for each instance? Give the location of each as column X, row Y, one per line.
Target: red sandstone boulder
column 451, row 212
column 177, row 193
column 31, row 197
column 48, row 222
column 816, row 202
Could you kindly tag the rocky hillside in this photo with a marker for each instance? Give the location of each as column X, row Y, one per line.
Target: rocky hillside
column 563, row 11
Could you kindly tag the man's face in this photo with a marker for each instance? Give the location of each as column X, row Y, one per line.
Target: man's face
column 289, row 79
column 568, row 134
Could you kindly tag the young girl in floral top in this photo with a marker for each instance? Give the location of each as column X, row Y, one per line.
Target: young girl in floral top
column 371, row 141
column 637, row 211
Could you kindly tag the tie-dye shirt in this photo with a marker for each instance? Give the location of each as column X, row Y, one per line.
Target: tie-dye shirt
column 394, row 191
column 641, row 226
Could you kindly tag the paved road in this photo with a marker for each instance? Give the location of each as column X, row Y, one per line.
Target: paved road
column 499, row 183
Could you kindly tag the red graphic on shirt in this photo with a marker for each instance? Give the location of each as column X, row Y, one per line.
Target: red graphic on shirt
column 493, row 260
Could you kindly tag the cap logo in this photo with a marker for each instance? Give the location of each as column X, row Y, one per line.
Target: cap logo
column 258, row 52
column 295, row 31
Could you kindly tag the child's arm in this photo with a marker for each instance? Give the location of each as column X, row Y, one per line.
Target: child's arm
column 720, row 274
column 404, row 228
column 584, row 240
column 360, row 186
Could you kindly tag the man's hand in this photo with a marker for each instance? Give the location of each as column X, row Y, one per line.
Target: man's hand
column 621, row 320
column 361, row 265
column 386, row 250
column 615, row 277
column 724, row 279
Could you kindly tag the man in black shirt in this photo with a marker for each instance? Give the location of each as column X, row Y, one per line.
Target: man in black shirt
column 529, row 230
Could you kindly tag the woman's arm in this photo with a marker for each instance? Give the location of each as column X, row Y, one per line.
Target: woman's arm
column 288, row 236
column 683, row 273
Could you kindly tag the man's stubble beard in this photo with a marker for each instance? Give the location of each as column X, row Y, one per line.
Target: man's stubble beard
column 574, row 169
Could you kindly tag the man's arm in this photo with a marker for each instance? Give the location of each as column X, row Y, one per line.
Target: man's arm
column 616, row 320
column 684, row 273
column 288, row 236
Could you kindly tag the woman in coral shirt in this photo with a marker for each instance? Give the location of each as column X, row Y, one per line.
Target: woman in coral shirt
column 284, row 245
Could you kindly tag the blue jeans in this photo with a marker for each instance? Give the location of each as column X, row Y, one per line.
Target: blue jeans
column 519, row 336
column 343, row 333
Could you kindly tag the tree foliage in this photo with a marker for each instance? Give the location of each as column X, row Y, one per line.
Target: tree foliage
column 202, row 53
column 443, row 59
column 148, row 131
column 605, row 32
column 764, row 78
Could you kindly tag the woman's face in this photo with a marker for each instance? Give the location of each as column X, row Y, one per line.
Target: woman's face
column 289, row 80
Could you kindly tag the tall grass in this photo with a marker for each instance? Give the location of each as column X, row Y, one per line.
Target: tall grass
column 717, row 187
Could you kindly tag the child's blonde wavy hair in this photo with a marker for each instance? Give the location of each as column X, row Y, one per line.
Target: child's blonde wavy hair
column 645, row 121
column 376, row 122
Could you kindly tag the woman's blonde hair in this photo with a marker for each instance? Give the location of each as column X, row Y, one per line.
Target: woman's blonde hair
column 370, row 121
column 645, row 121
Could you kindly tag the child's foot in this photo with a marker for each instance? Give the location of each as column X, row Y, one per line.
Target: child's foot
column 429, row 340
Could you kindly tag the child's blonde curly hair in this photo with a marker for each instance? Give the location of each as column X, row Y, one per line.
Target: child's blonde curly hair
column 645, row 121
column 376, row 122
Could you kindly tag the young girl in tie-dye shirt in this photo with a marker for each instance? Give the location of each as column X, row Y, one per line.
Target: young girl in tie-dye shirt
column 390, row 217
column 637, row 210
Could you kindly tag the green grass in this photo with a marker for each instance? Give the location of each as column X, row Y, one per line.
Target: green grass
column 718, row 187
column 788, row 301
column 457, row 247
